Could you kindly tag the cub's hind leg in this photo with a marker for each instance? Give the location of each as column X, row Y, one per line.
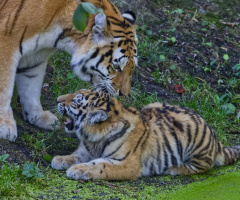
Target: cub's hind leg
column 186, row 169
column 29, row 80
column 196, row 165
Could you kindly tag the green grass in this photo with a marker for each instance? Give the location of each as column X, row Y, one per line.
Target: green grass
column 15, row 179
column 215, row 188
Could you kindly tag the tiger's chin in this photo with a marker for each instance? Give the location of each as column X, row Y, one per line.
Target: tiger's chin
column 107, row 88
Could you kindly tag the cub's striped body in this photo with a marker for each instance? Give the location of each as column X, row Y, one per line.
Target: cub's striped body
column 121, row 143
column 105, row 54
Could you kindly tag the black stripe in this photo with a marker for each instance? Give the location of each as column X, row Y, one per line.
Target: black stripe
column 165, row 161
column 121, row 25
column 116, row 136
column 3, row 4
column 31, row 76
column 167, row 144
column 94, row 55
column 119, row 36
column 110, row 19
column 51, row 19
column 120, row 43
column 101, row 60
column 37, row 42
column 178, row 125
column 109, row 53
column 83, row 117
column 194, row 136
column 207, row 146
column 97, row 70
column 114, row 8
column 25, row 69
column 60, row 36
column 202, row 138
column 197, row 165
column 123, row 158
column 88, row 149
column 148, row 134
column 20, row 43
column 189, row 134
column 126, row 33
column 159, row 160
column 174, row 160
column 16, row 16
column 139, row 141
column 110, row 154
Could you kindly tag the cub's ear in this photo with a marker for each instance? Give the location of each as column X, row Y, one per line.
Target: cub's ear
column 129, row 16
column 99, row 27
column 97, row 116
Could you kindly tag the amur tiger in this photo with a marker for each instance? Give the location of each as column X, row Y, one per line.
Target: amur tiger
column 105, row 54
column 122, row 143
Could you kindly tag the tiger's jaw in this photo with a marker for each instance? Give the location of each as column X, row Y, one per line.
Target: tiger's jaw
column 70, row 122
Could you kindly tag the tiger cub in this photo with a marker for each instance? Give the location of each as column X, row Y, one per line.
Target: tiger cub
column 122, row 143
column 31, row 30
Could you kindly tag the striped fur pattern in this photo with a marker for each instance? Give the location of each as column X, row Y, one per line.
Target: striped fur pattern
column 122, row 143
column 31, row 30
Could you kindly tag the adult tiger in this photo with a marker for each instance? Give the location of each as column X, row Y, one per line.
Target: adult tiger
column 31, row 30
column 122, row 143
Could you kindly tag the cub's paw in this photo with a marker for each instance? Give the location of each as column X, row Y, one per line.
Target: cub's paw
column 45, row 120
column 8, row 130
column 64, row 162
column 80, row 171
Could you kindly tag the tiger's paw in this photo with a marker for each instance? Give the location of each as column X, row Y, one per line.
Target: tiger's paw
column 45, row 120
column 8, row 130
column 64, row 162
column 80, row 171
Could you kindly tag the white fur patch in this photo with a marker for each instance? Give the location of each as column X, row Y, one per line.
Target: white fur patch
column 128, row 16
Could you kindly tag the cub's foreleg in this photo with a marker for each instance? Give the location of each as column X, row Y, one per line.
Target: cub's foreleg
column 64, row 162
column 105, row 168
column 29, row 80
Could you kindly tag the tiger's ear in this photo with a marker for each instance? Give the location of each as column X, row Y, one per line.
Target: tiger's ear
column 97, row 116
column 99, row 27
column 129, row 16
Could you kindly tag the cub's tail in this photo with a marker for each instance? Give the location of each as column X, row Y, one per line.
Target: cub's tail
column 227, row 155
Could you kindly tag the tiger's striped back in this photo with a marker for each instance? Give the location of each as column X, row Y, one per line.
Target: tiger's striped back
column 119, row 142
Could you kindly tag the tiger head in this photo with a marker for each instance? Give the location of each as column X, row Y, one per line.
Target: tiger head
column 90, row 112
column 109, row 55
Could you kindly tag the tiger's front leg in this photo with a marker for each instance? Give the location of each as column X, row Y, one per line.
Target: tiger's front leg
column 108, row 169
column 29, row 80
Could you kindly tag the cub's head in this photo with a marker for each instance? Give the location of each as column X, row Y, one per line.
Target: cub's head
column 89, row 112
column 108, row 56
